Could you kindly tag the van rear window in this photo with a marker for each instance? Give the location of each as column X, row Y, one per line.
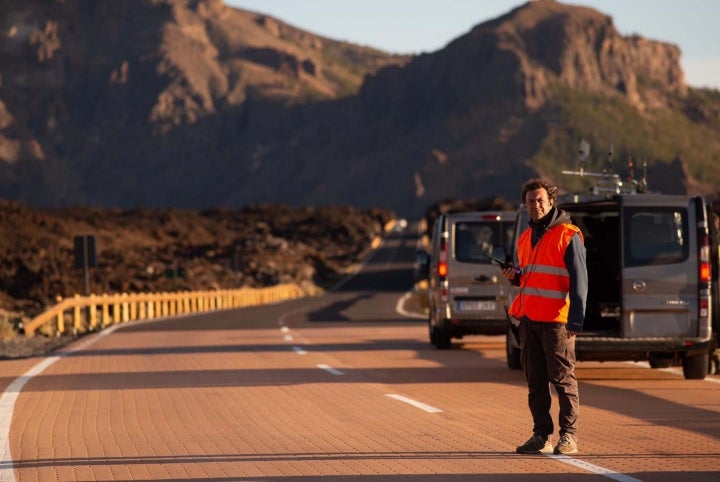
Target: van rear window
column 474, row 240
column 657, row 236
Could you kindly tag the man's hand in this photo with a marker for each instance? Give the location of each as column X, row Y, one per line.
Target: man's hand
column 571, row 333
column 509, row 273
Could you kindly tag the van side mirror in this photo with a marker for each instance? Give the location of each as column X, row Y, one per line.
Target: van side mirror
column 422, row 265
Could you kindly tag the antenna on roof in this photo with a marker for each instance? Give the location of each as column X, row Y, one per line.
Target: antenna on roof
column 643, row 181
column 630, row 170
column 584, row 152
column 608, row 181
column 609, row 164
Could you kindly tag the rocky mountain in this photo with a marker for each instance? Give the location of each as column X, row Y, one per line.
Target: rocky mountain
column 193, row 104
column 152, row 103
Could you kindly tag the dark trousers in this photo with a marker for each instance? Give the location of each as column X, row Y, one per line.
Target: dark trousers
column 548, row 357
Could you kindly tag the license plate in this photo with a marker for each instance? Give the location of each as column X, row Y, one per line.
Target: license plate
column 476, row 305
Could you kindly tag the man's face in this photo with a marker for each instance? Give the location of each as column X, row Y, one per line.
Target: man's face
column 537, row 203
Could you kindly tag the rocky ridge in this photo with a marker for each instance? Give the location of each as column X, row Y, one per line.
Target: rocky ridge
column 193, row 104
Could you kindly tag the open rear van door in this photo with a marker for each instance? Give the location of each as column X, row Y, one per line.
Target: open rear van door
column 659, row 277
column 665, row 278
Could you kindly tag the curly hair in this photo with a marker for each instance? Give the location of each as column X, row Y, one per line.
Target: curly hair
column 535, row 184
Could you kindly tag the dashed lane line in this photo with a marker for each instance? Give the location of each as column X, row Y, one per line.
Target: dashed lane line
column 330, row 369
column 288, row 337
column 414, row 403
column 581, row 464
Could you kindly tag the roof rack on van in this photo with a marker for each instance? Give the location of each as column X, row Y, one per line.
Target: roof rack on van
column 609, row 182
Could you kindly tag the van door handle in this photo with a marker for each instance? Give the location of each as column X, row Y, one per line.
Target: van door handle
column 638, row 285
column 482, row 278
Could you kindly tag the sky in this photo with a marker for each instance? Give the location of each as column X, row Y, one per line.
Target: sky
column 416, row 26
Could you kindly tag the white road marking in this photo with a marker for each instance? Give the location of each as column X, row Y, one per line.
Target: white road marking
column 581, row 464
column 400, row 307
column 414, row 403
column 330, row 369
column 288, row 338
column 284, row 329
column 9, row 398
column 299, row 350
column 595, row 469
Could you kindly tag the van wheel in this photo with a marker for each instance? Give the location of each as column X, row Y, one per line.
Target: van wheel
column 442, row 338
column 512, row 353
column 657, row 361
column 431, row 325
column 696, row 367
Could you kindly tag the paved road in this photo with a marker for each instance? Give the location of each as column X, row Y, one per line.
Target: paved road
column 341, row 387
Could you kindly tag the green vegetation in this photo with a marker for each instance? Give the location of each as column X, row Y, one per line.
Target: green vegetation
column 346, row 87
column 704, row 104
column 655, row 135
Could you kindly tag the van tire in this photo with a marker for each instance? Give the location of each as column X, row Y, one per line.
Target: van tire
column 443, row 338
column 512, row 353
column 695, row 367
column 438, row 337
column 657, row 361
column 431, row 332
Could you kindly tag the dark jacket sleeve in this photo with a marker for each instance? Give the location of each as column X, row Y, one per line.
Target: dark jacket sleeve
column 577, row 269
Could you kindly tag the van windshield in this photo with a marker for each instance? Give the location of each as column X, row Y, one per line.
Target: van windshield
column 476, row 240
column 656, row 236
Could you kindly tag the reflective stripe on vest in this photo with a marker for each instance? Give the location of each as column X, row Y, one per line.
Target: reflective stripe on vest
column 545, row 281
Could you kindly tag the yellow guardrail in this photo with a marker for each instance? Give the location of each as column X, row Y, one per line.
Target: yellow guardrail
column 81, row 314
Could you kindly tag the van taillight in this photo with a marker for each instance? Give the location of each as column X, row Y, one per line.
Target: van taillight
column 704, row 272
column 442, row 268
column 704, row 279
column 704, row 259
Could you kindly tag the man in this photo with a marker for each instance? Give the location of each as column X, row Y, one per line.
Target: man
column 550, row 306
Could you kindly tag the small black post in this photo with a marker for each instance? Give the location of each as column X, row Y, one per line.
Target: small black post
column 85, row 257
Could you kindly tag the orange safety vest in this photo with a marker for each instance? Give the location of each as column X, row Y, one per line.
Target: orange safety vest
column 544, row 279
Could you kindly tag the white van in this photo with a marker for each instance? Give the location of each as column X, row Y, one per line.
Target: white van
column 650, row 279
column 467, row 294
